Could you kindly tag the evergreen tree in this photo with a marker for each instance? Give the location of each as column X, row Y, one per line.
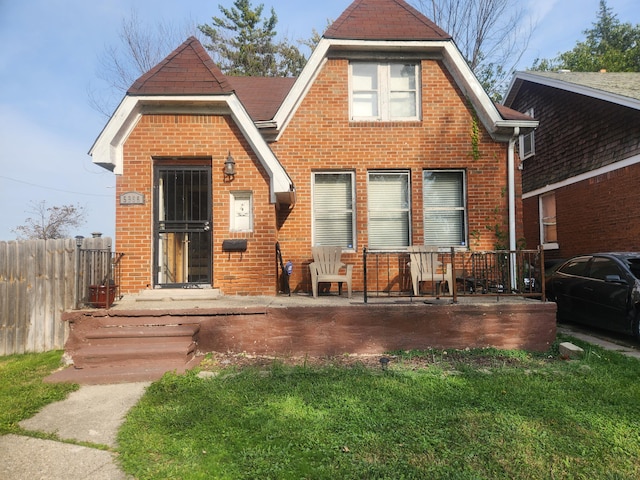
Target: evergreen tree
column 244, row 43
column 609, row 45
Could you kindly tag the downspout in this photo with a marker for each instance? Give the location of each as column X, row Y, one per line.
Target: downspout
column 512, row 203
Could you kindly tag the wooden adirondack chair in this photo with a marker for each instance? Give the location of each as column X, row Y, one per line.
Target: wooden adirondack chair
column 425, row 267
column 326, row 267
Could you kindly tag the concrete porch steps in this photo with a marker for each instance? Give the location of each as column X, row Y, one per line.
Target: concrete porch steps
column 104, row 375
column 125, row 348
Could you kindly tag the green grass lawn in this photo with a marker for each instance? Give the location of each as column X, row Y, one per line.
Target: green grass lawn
column 22, row 392
column 431, row 415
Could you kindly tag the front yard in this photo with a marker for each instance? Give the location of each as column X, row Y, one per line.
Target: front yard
column 483, row 414
column 475, row 414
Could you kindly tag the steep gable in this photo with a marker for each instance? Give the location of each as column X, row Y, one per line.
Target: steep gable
column 188, row 70
column 384, row 20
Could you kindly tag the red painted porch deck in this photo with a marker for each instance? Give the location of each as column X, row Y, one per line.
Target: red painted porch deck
column 329, row 325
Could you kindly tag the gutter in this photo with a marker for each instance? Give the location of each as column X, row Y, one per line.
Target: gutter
column 511, row 180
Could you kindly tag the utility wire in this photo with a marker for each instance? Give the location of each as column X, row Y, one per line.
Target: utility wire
column 56, row 189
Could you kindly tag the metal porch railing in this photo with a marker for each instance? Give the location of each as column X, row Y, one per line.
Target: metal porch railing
column 387, row 273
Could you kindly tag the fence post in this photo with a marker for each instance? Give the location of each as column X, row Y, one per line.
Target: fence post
column 364, row 263
column 76, row 296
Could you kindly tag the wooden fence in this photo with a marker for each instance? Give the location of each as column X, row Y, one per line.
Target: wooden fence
column 37, row 283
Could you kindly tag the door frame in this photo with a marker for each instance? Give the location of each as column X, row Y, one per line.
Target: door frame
column 182, row 226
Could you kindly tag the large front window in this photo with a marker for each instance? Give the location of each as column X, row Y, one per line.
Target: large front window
column 444, row 205
column 389, row 210
column 384, row 91
column 333, row 217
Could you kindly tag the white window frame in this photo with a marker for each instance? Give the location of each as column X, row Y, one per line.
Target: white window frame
column 385, row 207
column 546, row 221
column 430, row 209
column 320, row 209
column 382, row 91
column 241, row 213
column 527, row 142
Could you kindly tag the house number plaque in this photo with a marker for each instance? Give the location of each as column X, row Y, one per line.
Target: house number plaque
column 132, row 198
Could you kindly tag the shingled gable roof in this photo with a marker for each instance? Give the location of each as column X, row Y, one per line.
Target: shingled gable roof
column 621, row 88
column 393, row 25
column 188, row 70
column 384, row 20
column 261, row 96
column 186, row 78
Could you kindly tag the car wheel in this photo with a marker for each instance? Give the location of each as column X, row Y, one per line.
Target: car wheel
column 636, row 325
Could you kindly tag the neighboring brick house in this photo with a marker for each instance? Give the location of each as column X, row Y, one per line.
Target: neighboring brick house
column 385, row 140
column 581, row 167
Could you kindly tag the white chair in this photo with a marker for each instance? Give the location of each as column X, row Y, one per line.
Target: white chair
column 425, row 267
column 326, row 267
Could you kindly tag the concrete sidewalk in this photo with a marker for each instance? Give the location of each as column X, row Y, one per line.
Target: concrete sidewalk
column 92, row 414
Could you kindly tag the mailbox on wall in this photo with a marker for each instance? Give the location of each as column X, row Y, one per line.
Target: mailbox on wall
column 234, row 245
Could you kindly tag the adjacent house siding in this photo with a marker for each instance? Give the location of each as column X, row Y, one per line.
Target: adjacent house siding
column 576, row 134
column 598, row 214
column 587, row 148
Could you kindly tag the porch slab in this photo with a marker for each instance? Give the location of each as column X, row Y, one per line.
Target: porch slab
column 333, row 325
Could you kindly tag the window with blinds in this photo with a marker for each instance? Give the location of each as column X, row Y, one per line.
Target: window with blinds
column 333, row 214
column 444, row 206
column 389, row 210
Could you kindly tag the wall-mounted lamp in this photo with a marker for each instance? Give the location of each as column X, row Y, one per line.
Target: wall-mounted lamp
column 229, row 167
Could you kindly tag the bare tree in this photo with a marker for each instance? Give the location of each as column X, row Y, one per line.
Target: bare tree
column 491, row 34
column 141, row 48
column 50, row 222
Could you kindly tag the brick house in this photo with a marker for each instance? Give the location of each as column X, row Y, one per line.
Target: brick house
column 385, row 140
column 581, row 167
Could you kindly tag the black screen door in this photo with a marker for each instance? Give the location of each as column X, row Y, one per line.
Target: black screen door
column 182, row 226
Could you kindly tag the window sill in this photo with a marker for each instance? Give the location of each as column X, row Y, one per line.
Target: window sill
column 550, row 246
column 385, row 124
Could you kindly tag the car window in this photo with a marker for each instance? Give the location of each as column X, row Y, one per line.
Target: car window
column 634, row 266
column 601, row 267
column 576, row 266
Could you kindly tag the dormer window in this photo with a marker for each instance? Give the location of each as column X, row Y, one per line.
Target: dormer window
column 384, row 91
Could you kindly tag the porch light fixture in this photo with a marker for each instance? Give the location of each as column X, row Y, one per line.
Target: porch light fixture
column 229, row 167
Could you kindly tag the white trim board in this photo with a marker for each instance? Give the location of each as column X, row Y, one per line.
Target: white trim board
column 583, row 176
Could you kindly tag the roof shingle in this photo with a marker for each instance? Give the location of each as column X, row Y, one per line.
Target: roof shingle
column 188, row 70
column 384, row 20
column 261, row 96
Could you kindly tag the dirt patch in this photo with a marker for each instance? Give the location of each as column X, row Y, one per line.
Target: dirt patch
column 453, row 359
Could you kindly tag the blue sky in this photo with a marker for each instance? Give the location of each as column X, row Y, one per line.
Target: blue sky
column 48, row 64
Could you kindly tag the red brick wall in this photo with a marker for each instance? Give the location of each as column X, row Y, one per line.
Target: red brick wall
column 320, row 137
column 595, row 215
column 197, row 136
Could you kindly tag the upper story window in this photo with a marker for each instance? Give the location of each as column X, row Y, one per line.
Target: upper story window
column 384, row 91
column 528, row 142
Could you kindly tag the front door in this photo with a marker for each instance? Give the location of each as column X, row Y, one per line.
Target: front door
column 182, row 229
